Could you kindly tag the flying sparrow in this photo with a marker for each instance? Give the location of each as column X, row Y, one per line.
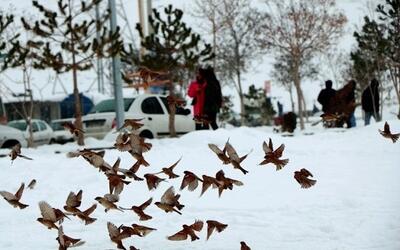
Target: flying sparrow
column 14, row 199
column 302, row 178
column 187, row 231
column 387, row 134
column 272, row 156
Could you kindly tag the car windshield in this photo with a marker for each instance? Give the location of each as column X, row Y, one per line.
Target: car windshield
column 56, row 126
column 18, row 125
column 109, row 106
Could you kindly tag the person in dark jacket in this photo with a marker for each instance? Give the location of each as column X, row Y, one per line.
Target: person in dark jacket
column 212, row 97
column 351, row 103
column 326, row 95
column 370, row 102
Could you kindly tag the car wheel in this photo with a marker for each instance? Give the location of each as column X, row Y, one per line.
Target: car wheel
column 146, row 134
column 52, row 141
column 10, row 143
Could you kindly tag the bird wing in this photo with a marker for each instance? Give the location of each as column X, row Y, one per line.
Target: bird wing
column 174, row 165
column 245, row 156
column 90, row 210
column 17, row 148
column 61, row 236
column 210, row 229
column 115, row 167
column 207, row 181
column 278, row 152
column 197, row 225
column 119, row 188
column 193, row 184
column 32, row 184
column 72, row 200
column 232, row 152
column 113, row 230
column 270, row 145
column 181, row 235
column 101, row 153
column 111, row 197
column 146, row 204
column 18, row 194
column 47, row 211
column 386, row 128
column 8, row 196
column 25, row 157
column 305, row 172
column 266, row 148
column 236, row 182
column 135, row 144
column 186, row 179
column 220, row 227
column 215, row 149
column 169, row 196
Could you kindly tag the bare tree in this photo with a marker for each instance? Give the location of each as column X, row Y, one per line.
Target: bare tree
column 65, row 41
column 301, row 30
column 237, row 42
column 207, row 10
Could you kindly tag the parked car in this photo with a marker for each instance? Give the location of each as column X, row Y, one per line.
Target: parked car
column 61, row 135
column 42, row 132
column 152, row 107
column 9, row 137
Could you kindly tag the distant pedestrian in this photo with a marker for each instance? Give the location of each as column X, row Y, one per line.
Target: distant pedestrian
column 350, row 100
column 280, row 109
column 326, row 95
column 212, row 98
column 370, row 102
column 197, row 92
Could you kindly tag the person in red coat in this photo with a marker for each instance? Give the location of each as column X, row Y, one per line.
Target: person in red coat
column 197, row 92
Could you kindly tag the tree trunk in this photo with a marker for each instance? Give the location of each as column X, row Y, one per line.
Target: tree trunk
column 242, row 110
column 172, row 110
column 214, row 31
column 30, row 140
column 394, row 75
column 28, row 114
column 303, row 100
column 296, row 80
column 291, row 98
column 78, row 114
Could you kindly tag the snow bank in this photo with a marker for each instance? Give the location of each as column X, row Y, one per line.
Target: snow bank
column 354, row 204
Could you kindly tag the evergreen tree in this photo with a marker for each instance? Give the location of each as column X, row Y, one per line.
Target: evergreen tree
column 226, row 112
column 5, row 22
column 389, row 14
column 66, row 41
column 369, row 58
column 258, row 107
column 173, row 48
column 378, row 50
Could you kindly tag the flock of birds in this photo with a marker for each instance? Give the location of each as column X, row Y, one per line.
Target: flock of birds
column 129, row 141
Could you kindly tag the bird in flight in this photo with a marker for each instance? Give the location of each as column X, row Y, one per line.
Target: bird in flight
column 16, row 152
column 387, row 134
column 14, row 199
column 187, row 231
column 273, row 156
column 302, row 178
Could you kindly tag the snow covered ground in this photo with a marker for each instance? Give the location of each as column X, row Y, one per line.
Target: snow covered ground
column 354, row 205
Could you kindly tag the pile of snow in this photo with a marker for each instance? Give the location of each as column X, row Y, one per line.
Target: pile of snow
column 354, row 204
